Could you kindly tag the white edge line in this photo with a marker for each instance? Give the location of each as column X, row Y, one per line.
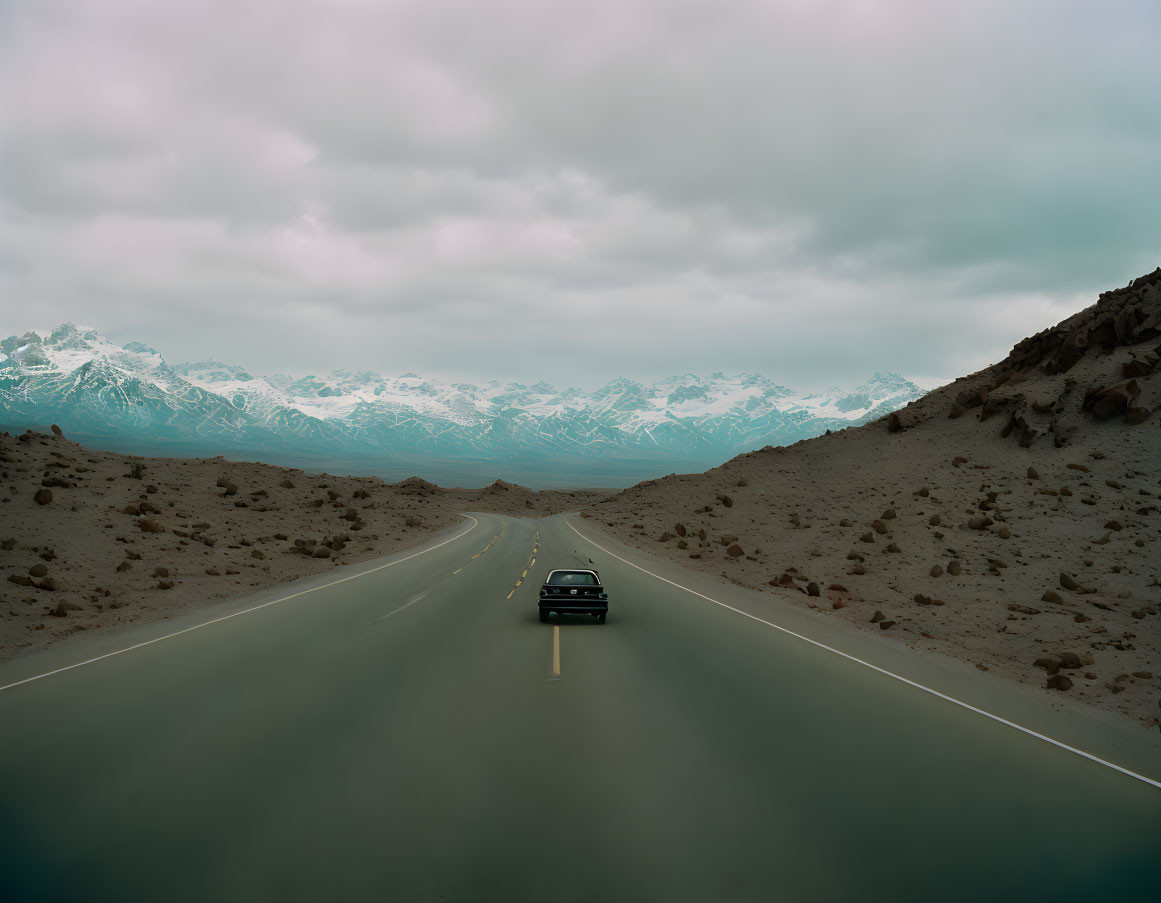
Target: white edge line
column 245, row 611
column 899, row 677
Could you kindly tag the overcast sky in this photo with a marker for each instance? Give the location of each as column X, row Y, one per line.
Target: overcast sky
column 575, row 191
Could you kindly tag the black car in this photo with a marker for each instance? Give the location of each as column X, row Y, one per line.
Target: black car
column 574, row 593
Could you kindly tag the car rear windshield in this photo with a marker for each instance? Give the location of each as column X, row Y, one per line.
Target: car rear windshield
column 572, row 578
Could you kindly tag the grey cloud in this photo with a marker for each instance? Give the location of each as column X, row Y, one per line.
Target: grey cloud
column 811, row 190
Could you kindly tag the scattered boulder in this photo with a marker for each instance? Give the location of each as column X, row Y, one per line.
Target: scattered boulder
column 879, row 527
column 1052, row 596
column 37, row 571
column 936, row 571
column 735, row 551
column 812, row 589
column 1059, row 682
column 679, row 529
column 1033, row 474
column 954, row 567
column 149, row 525
column 1105, row 402
column 1070, row 583
column 321, row 552
column 877, row 617
column 42, row 496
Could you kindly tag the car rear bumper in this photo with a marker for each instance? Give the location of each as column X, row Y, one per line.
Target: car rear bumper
column 596, row 606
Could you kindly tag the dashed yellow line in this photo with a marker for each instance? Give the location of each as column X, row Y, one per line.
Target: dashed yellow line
column 518, row 582
column 525, row 574
column 510, row 593
column 457, row 570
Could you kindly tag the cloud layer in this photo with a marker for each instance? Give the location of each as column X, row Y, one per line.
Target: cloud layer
column 576, row 191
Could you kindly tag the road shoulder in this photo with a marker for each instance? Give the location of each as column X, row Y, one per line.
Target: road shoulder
column 1101, row 733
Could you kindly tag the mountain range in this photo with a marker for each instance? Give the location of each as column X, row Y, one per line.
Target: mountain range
column 129, row 394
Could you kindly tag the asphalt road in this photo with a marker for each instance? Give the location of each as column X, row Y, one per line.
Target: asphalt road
column 415, row 733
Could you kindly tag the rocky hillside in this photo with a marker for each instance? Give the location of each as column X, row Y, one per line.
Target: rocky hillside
column 90, row 540
column 1010, row 519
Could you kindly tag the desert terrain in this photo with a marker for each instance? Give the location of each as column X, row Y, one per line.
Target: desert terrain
column 1010, row 519
column 91, row 540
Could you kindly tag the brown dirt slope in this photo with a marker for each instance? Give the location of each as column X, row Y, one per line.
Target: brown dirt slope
column 91, row 540
column 1009, row 519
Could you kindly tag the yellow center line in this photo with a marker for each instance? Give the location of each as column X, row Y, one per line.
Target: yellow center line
column 533, row 562
column 457, row 570
column 525, row 574
column 474, row 557
column 556, row 650
column 518, row 582
column 510, row 594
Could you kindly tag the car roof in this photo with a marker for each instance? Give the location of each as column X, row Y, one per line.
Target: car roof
column 573, row 571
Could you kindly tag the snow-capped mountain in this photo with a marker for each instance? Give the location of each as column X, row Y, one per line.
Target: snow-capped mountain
column 78, row 379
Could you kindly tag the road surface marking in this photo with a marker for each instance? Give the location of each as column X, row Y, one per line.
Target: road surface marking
column 457, row 570
column 556, row 650
column 474, row 557
column 525, row 574
column 510, row 593
column 518, row 582
column 245, row 611
column 418, row 598
column 884, row 671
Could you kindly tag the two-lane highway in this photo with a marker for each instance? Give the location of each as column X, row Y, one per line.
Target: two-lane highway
column 406, row 729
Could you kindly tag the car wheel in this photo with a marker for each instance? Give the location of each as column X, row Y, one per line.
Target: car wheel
column 600, row 619
column 543, row 616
